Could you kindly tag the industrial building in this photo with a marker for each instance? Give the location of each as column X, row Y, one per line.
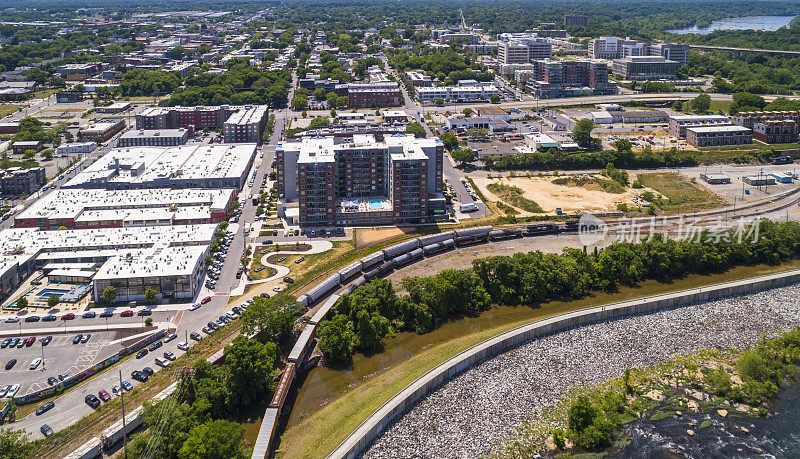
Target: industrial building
column 155, row 137
column 90, row 208
column 718, row 136
column 679, row 123
column 76, row 148
column 185, row 166
column 360, row 180
column 642, row 68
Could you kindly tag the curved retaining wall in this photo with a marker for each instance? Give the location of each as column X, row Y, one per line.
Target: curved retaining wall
column 366, row 433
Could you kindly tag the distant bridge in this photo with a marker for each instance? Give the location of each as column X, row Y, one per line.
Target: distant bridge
column 736, row 51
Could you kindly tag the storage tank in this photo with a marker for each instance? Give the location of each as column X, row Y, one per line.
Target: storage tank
column 319, row 290
column 400, row 260
column 448, row 244
column 497, row 234
column 416, row 254
column 432, row 248
column 386, row 268
column 480, row 231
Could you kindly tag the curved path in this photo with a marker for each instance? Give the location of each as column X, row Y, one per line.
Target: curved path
column 476, row 411
column 316, row 247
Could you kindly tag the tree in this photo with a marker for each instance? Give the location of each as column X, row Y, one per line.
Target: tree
column 477, row 133
column 677, row 105
column 22, row 302
column 495, row 99
column 417, row 129
column 148, row 322
column 336, row 339
column 467, row 111
column 219, row 439
column 333, row 99
column 109, row 294
column 582, row 133
column 47, row 154
column 701, row 103
column 250, row 366
column 449, row 140
column 53, row 301
column 12, row 443
column 150, row 295
column 463, row 156
column 269, row 318
column 622, row 145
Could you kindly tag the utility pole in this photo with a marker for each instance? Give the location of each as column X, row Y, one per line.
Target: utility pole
column 124, row 426
column 43, row 364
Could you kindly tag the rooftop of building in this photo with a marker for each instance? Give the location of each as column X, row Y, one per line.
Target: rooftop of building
column 727, row 128
column 149, row 133
column 153, row 262
column 248, row 115
column 72, row 203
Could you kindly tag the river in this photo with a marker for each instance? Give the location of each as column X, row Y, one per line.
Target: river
column 777, row 435
column 765, row 23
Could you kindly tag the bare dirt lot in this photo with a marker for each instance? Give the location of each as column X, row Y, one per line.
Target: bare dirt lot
column 549, row 195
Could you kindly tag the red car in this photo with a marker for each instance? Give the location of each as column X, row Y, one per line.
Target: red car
column 205, row 300
column 127, row 313
column 104, row 396
column 30, row 341
column 68, row 316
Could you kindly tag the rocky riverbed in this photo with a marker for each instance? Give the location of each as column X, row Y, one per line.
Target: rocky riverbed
column 475, row 412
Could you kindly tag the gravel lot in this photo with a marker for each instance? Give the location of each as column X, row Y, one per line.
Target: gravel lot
column 477, row 410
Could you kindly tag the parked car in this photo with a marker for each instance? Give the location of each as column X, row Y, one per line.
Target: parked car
column 145, row 312
column 195, row 307
column 169, row 355
column 162, row 362
column 85, row 338
column 206, row 300
column 92, row 400
column 46, row 340
column 10, row 364
column 46, row 430
column 300, row 260
column 148, row 371
column 52, row 380
column 141, row 353
column 183, row 345
column 127, row 313
column 288, row 280
column 32, row 319
column 104, row 396
column 35, row 363
column 77, row 338
column 68, row 316
column 49, row 318
column 62, row 376
column 45, row 408
column 139, row 376
column 29, row 342
column 195, row 336
column 115, row 389
column 155, row 346
column 170, row 337
column 5, row 343
column 106, row 314
column 12, row 320
column 89, row 315
column 13, row 391
column 4, row 390
column 127, row 386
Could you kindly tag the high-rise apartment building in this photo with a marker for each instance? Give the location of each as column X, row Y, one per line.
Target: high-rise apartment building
column 523, row 51
column 360, row 180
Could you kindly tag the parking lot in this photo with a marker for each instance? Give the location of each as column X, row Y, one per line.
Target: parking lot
column 61, row 356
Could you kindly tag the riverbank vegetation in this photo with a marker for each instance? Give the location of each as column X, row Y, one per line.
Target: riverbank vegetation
column 717, row 382
column 375, row 311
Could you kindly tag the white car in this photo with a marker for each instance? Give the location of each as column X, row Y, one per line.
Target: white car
column 183, row 345
column 195, row 307
column 276, row 289
column 232, row 315
column 170, row 337
column 4, row 390
column 13, row 391
column 35, row 363
column 162, row 362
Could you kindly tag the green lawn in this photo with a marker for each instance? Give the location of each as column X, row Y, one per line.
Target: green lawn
column 6, row 110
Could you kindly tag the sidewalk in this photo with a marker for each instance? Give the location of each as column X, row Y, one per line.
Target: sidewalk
column 82, row 328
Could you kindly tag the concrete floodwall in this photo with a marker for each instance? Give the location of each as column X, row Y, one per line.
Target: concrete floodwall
column 364, row 435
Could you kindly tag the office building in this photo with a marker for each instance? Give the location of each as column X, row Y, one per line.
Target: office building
column 185, row 166
column 619, row 48
column 463, row 92
column 523, row 51
column 717, row 136
column 155, row 137
column 20, row 147
column 642, row 68
column 360, row 180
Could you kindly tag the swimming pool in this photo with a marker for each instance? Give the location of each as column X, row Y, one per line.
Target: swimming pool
column 47, row 292
column 375, row 204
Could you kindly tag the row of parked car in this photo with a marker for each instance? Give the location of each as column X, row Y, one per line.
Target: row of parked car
column 219, row 259
column 72, row 316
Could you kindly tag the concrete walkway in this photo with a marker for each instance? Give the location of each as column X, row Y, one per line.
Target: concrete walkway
column 281, row 271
